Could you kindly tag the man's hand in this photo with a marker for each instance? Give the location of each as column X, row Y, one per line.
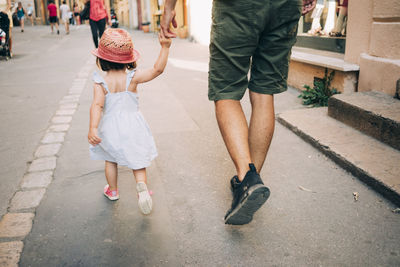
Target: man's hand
column 308, row 5
column 168, row 17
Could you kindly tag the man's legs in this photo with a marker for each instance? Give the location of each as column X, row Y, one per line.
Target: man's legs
column 261, row 129
column 233, row 126
column 93, row 28
column 247, row 144
column 101, row 24
column 66, row 26
column 58, row 30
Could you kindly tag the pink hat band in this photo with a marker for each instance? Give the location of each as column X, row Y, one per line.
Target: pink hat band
column 116, row 46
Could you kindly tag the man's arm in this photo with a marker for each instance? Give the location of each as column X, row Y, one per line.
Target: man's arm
column 107, row 6
column 167, row 18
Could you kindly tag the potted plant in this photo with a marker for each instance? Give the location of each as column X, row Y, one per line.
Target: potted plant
column 146, row 26
column 183, row 32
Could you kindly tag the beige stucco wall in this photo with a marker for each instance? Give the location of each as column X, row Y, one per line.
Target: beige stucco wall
column 386, row 9
column 358, row 29
column 378, row 74
column 385, row 40
column 373, row 42
column 200, row 20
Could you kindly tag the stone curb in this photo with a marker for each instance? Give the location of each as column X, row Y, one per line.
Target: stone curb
column 10, row 253
column 380, row 187
column 17, row 223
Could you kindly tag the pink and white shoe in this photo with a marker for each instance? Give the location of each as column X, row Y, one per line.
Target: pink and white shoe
column 145, row 202
column 111, row 195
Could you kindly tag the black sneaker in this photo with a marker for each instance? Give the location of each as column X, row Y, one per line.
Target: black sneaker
column 248, row 196
column 58, row 32
column 234, row 182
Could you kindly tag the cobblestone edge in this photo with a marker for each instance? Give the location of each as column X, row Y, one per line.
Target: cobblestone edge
column 17, row 223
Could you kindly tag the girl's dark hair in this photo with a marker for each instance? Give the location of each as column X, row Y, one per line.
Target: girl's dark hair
column 108, row 65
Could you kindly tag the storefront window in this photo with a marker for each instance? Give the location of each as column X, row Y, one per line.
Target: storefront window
column 325, row 27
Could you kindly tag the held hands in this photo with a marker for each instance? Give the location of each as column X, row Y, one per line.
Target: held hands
column 164, row 41
column 93, row 138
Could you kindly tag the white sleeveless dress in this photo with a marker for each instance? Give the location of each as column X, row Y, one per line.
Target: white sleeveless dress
column 126, row 138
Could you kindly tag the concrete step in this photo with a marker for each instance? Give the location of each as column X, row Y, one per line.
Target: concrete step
column 306, row 64
column 373, row 113
column 372, row 161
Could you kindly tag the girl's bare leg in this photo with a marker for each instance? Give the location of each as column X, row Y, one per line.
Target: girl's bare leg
column 140, row 175
column 111, row 170
column 145, row 202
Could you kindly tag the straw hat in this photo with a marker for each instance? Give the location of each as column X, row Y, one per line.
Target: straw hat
column 116, row 46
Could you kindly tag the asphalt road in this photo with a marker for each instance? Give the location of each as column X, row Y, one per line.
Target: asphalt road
column 311, row 218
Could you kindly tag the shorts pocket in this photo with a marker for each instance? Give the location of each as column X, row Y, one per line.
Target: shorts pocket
column 233, row 22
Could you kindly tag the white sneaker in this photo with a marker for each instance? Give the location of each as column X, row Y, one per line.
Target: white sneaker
column 145, row 202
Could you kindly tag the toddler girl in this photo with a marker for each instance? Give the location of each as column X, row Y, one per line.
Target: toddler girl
column 121, row 136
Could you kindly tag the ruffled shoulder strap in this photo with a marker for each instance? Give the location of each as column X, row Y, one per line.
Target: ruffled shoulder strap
column 129, row 77
column 97, row 78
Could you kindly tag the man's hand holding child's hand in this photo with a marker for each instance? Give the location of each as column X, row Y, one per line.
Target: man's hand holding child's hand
column 164, row 41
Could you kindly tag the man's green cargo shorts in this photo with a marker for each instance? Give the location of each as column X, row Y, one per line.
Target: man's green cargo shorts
column 260, row 32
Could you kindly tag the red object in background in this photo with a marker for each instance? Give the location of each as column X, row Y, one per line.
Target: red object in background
column 52, row 10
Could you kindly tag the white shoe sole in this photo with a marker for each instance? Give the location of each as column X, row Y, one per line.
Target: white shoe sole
column 145, row 202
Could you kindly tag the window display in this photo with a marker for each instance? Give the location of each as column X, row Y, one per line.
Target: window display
column 327, row 21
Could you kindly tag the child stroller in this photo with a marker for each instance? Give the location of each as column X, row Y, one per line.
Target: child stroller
column 4, row 35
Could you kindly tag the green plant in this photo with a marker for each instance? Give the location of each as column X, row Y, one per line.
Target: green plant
column 318, row 95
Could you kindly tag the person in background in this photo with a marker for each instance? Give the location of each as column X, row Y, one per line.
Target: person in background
column 52, row 8
column 30, row 13
column 76, row 14
column 99, row 12
column 5, row 7
column 21, row 15
column 64, row 10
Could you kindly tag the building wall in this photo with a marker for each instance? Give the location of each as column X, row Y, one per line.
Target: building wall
column 133, row 14
column 127, row 13
column 374, row 43
column 358, row 29
column 199, row 13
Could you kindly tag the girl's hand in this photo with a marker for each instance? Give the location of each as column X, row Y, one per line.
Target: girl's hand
column 93, row 138
column 164, row 41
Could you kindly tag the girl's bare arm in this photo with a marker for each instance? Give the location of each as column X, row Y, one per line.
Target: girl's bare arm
column 95, row 113
column 142, row 76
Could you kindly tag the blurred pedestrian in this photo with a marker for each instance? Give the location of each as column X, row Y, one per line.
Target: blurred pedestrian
column 30, row 13
column 53, row 19
column 64, row 10
column 5, row 7
column 118, row 133
column 99, row 12
column 21, row 15
column 244, row 32
column 76, row 14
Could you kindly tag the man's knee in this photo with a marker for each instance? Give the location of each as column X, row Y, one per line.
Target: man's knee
column 261, row 99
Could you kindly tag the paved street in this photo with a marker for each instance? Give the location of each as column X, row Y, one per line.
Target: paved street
column 311, row 218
